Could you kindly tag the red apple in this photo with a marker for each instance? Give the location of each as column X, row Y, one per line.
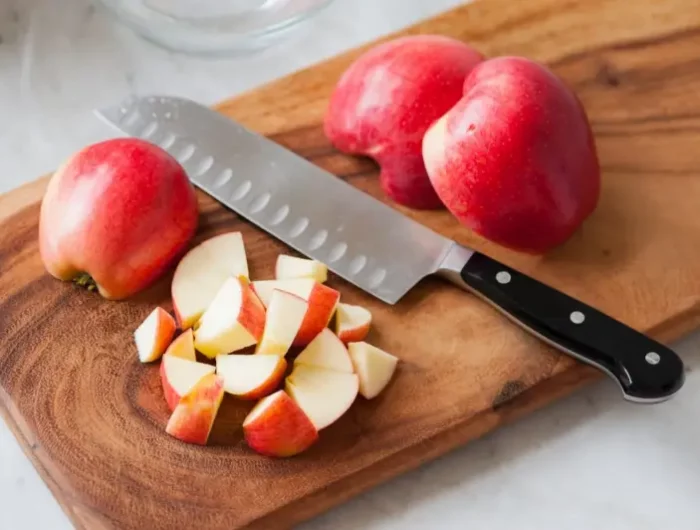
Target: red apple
column 352, row 322
column 250, row 376
column 178, row 376
column 515, row 158
column 387, row 99
column 117, row 214
column 183, row 347
column 194, row 416
column 154, row 334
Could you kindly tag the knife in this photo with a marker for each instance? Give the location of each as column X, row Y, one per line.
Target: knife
column 380, row 250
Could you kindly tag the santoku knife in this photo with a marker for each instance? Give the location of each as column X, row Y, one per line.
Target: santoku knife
column 377, row 248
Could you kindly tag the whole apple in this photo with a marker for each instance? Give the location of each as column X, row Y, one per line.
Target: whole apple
column 387, row 99
column 121, row 212
column 515, row 158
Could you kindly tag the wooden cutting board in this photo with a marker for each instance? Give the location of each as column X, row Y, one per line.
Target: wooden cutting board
column 92, row 418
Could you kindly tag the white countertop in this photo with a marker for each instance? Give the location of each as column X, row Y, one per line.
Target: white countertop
column 590, row 461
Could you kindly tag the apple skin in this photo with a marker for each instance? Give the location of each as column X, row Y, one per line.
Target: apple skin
column 387, row 99
column 515, row 159
column 121, row 211
column 194, row 415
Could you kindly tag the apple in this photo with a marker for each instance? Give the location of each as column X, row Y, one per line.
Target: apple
column 324, row 395
column 154, row 334
column 194, row 416
column 373, row 366
column 515, row 158
column 116, row 216
column 352, row 322
column 326, row 351
column 290, row 267
column 250, row 376
column 178, row 376
column 285, row 314
column 183, row 347
column 234, row 320
column 321, row 298
column 277, row 427
column 202, row 272
column 386, row 100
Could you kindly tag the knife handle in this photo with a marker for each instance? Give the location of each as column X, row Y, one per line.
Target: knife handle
column 646, row 370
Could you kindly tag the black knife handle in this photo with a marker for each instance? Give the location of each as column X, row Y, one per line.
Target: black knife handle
column 646, row 370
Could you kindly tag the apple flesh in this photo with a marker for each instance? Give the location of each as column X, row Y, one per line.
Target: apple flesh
column 373, row 366
column 515, row 158
column 202, row 272
column 234, row 320
column 116, row 215
column 285, row 314
column 183, row 347
column 250, row 376
column 326, row 351
column 290, row 267
column 321, row 298
column 387, row 99
column 154, row 334
column 352, row 322
column 178, row 377
column 324, row 395
column 277, row 427
column 194, row 416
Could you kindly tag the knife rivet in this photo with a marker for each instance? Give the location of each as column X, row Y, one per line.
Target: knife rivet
column 577, row 317
column 503, row 277
column 652, row 357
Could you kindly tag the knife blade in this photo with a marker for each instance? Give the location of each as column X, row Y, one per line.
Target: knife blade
column 375, row 247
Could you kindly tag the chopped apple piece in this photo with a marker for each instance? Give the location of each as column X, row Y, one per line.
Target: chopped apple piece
column 278, row 427
column 374, row 367
column 290, row 267
column 321, row 298
column 284, row 317
column 324, row 395
column 194, row 416
column 183, row 347
column 234, row 320
column 201, row 273
column 178, row 376
column 326, row 351
column 251, row 376
column 352, row 322
column 154, row 334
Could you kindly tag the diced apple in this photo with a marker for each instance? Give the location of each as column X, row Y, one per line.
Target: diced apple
column 178, row 376
column 154, row 334
column 251, row 376
column 326, row 351
column 283, row 319
column 324, row 395
column 201, row 273
column 234, row 320
column 321, row 298
column 352, row 322
column 374, row 367
column 278, row 427
column 194, row 416
column 289, row 267
column 183, row 347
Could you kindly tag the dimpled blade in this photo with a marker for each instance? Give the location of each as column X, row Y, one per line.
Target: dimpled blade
column 314, row 212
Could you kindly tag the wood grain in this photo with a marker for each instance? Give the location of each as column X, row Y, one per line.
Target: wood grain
column 91, row 417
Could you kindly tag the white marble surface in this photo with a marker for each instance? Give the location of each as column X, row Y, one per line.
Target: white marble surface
column 591, row 461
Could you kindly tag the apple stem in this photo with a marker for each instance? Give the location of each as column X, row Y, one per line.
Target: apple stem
column 86, row 281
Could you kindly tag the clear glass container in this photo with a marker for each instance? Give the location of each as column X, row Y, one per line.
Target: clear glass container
column 213, row 27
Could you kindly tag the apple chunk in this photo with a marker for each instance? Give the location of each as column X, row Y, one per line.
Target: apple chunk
column 321, row 298
column 183, row 347
column 234, row 320
column 324, row 395
column 194, row 416
column 352, row 322
column 290, row 267
column 373, row 366
column 277, row 427
column 283, row 319
column 202, row 271
column 178, row 376
column 250, row 376
column 154, row 334
column 326, row 351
